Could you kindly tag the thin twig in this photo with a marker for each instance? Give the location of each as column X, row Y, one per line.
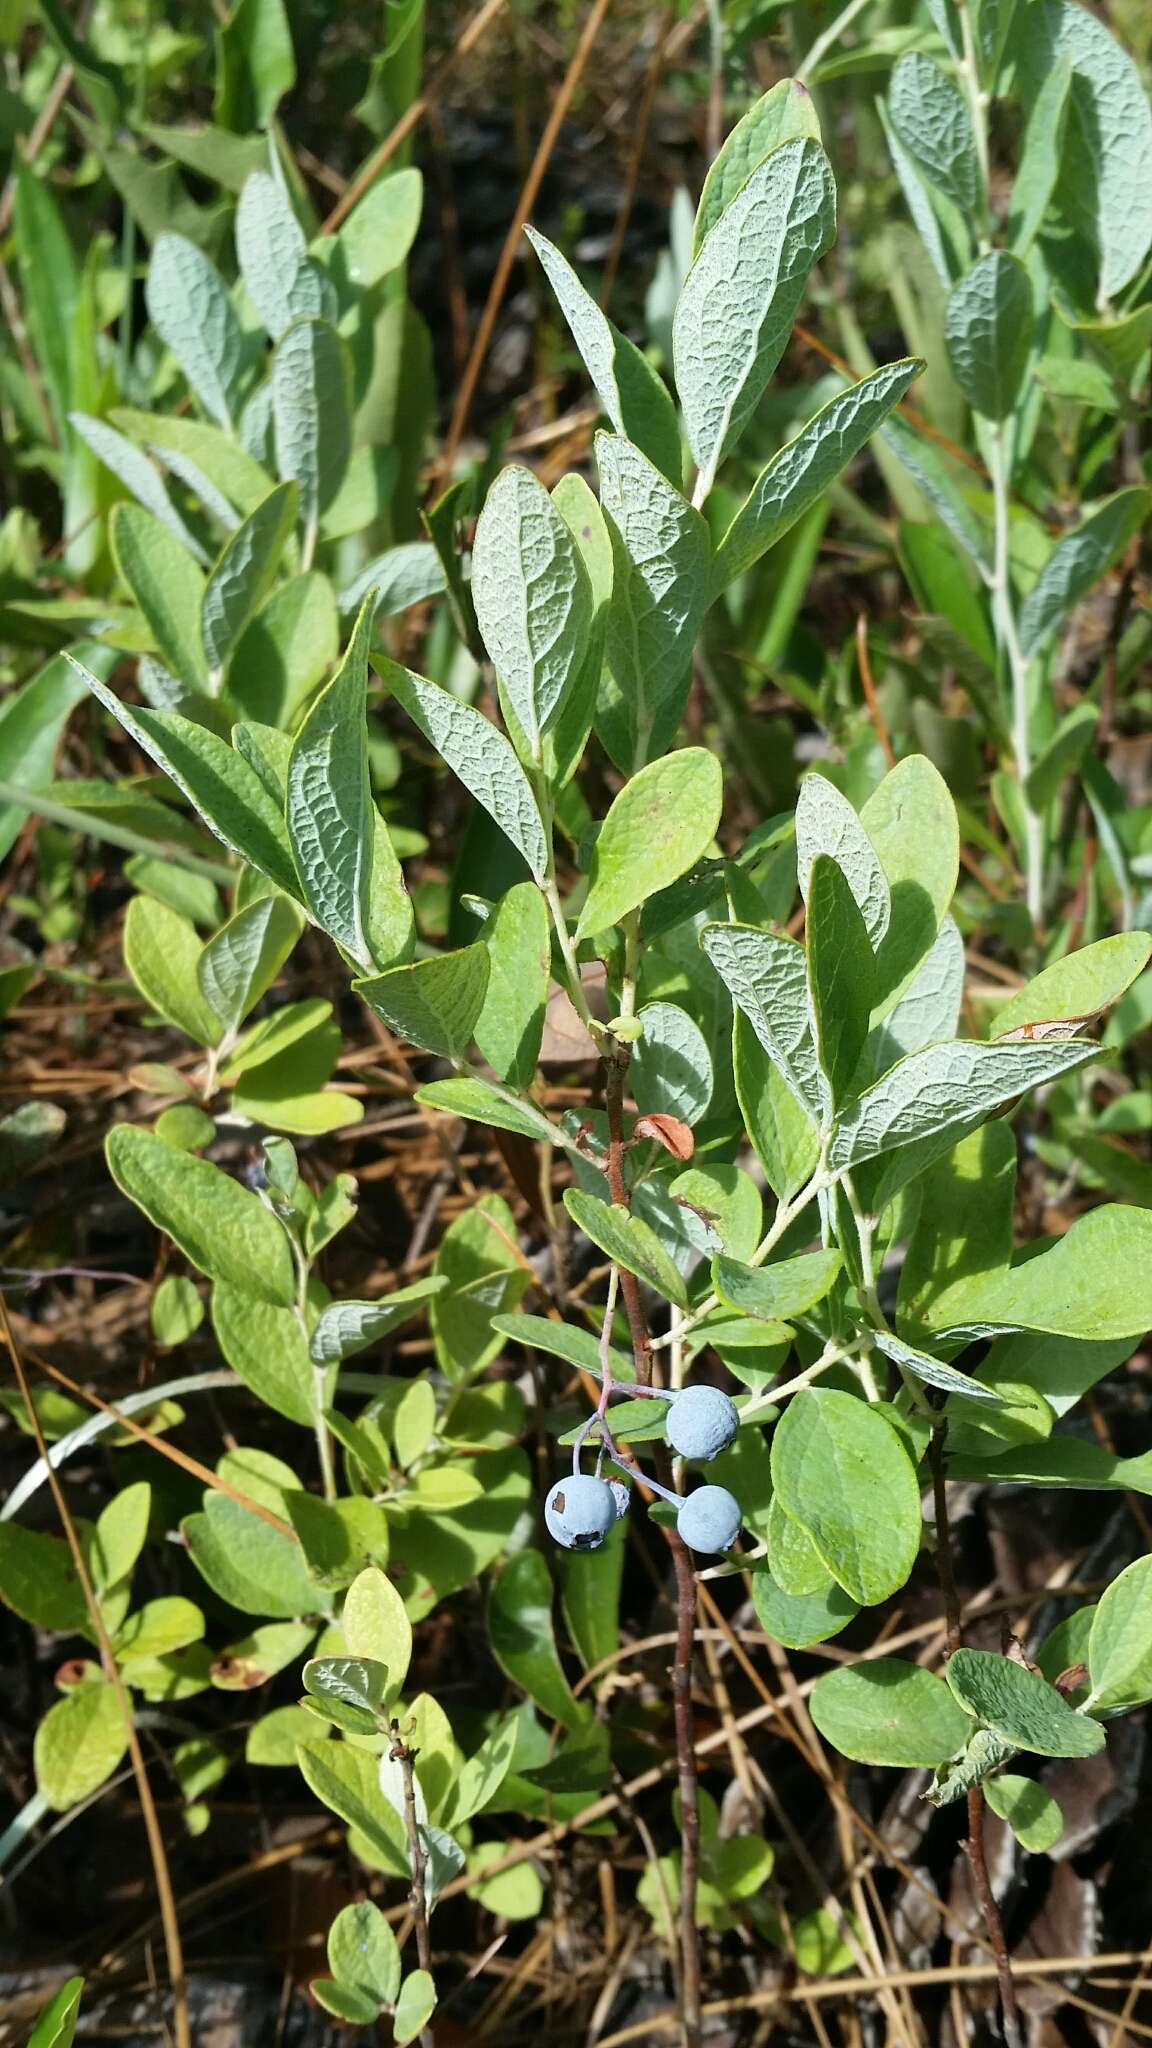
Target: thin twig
column 400, row 1753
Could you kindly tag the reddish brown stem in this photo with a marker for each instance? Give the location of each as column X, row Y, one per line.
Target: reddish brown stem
column 974, row 1846
column 616, row 1070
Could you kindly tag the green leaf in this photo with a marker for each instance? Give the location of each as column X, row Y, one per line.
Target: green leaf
column 929, row 1006
column 266, row 1346
column 281, row 281
column 479, row 1259
column 376, row 1626
column 362, row 1952
column 948, row 1379
column 191, row 309
column 241, row 962
column 660, row 570
column 225, row 1231
column 344, row 2001
column 347, row 1780
column 932, row 121
column 120, row 1535
column 329, row 804
column 216, row 780
column 766, row 976
column 1071, row 1290
column 671, row 1067
column 79, row 1743
column 803, row 469
column 532, row 597
column 38, row 1580
column 256, row 65
column 562, row 1340
column 478, row 755
column 1063, row 754
column 944, row 1091
column 1077, row 562
column 285, row 650
column 511, row 1023
column 942, row 486
column 56, row 2026
column 51, row 281
column 843, row 1473
column 779, row 114
column 477, row 1782
column 963, row 1234
column 359, row 1683
column 884, row 1711
column 775, row 1293
column 414, row 2007
column 841, row 976
column 988, row 326
column 242, row 577
column 1106, row 174
column 659, row 826
column 166, row 584
column 177, row 1310
column 738, row 301
column 480, row 1103
column 137, row 473
column 911, row 822
column 1120, row 1645
column 380, row 230
column 433, row 1003
column 158, row 1628
column 827, row 823
column 1019, row 1706
column 1080, row 985
column 1039, row 166
column 32, row 719
column 199, row 453
column 312, row 414
column 522, row 1637
column 1032, row 1814
column 348, row 1327
column 162, row 954
column 628, row 1241
column 249, row 1563
column 796, row 1565
column 798, row 1620
column 631, row 392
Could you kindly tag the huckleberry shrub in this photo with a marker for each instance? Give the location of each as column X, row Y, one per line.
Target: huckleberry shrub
column 799, row 1162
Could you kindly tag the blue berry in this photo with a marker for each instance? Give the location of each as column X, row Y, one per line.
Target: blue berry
column 709, row 1519
column 579, row 1512
column 701, row 1423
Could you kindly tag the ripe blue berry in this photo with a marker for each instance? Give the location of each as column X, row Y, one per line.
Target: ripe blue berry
column 701, row 1422
column 579, row 1512
column 709, row 1519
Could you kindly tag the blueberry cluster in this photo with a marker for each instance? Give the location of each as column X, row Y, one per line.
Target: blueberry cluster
column 700, row 1423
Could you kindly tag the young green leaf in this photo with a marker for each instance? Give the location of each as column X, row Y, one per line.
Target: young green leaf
column 1120, row 1645
column 827, row 823
column 467, row 1096
column 191, row 309
column 348, row 1327
column 415, row 2006
column 660, row 568
column 843, row 1473
column 348, row 1781
column 79, row 1744
column 162, row 954
column 989, row 326
column 659, row 826
column 242, row 577
column 1077, row 562
column 888, row 1712
column 1079, row 986
column 379, row 232
column 804, row 468
column 362, row 1952
column 774, row 1293
column 784, row 111
column 511, row 1024
column 478, row 754
column 766, row 976
column 633, row 395
column 56, row 2026
column 240, row 963
column 944, row 1091
column 1019, row 1706
column 738, row 301
column 216, row 780
column 168, row 587
column 312, row 414
column 930, row 118
column 330, row 812
column 948, row 1379
column 841, row 976
column 375, row 1625
column 224, row 1230
column 627, row 1240
column 281, row 281
column 433, row 1003
column 1030, row 1811
column 532, row 597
